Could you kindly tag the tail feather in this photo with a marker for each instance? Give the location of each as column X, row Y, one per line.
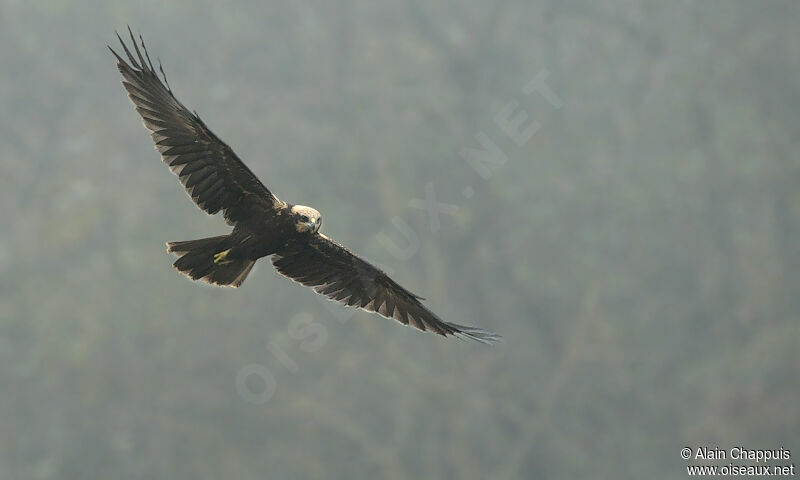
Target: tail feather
column 197, row 261
column 190, row 245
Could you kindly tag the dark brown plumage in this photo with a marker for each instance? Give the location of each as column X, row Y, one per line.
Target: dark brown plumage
column 217, row 181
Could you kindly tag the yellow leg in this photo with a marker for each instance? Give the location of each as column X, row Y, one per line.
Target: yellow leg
column 221, row 257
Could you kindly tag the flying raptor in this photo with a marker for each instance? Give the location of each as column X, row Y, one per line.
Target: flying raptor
column 263, row 225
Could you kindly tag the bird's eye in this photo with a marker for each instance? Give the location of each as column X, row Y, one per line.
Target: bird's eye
column 303, row 218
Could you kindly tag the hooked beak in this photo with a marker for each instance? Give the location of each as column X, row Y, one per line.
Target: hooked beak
column 313, row 225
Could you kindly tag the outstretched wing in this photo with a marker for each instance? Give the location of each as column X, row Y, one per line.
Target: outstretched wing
column 212, row 174
column 337, row 273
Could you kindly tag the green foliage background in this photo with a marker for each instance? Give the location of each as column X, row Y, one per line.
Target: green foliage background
column 639, row 255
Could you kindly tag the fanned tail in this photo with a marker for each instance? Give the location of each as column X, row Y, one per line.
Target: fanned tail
column 206, row 259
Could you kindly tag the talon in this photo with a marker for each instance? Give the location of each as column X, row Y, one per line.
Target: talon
column 221, row 257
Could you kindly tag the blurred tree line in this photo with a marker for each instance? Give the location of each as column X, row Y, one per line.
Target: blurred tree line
column 639, row 253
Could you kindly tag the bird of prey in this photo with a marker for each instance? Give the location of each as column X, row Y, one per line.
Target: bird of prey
column 263, row 225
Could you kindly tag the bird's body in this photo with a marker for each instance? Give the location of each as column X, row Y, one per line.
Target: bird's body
column 263, row 225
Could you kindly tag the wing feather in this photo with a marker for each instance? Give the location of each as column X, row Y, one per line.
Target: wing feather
column 208, row 169
column 333, row 271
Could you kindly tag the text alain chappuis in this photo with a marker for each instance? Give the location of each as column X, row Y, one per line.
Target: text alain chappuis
column 736, row 453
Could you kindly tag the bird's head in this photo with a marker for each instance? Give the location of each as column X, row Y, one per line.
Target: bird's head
column 306, row 219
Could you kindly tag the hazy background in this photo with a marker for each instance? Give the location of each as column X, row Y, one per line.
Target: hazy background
column 639, row 253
